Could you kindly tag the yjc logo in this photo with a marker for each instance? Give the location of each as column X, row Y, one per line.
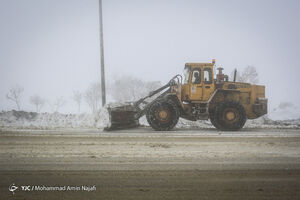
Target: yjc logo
column 12, row 188
column 26, row 188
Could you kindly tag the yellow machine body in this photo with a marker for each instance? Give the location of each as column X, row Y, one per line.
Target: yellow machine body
column 213, row 90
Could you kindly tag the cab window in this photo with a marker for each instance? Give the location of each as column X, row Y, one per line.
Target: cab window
column 196, row 78
column 207, row 76
column 186, row 73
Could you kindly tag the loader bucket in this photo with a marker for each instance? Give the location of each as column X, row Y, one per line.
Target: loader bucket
column 122, row 117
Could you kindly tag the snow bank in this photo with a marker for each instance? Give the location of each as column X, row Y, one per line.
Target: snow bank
column 183, row 123
column 266, row 122
column 21, row 119
column 100, row 120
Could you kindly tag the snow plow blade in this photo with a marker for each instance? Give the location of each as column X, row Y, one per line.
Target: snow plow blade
column 122, row 117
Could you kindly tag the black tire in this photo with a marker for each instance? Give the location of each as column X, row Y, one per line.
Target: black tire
column 229, row 116
column 212, row 119
column 163, row 115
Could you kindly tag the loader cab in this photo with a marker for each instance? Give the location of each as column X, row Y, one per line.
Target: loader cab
column 198, row 82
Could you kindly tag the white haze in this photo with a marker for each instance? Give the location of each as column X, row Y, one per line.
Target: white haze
column 51, row 47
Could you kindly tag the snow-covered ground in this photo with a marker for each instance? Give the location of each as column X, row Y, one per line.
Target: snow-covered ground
column 32, row 120
column 100, row 120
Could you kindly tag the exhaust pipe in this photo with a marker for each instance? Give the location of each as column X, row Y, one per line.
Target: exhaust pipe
column 234, row 76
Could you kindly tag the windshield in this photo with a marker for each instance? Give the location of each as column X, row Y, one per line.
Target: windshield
column 186, row 74
column 207, row 76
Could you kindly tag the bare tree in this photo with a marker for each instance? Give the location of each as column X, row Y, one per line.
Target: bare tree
column 77, row 97
column 128, row 88
column 57, row 104
column 93, row 96
column 15, row 94
column 38, row 102
column 248, row 75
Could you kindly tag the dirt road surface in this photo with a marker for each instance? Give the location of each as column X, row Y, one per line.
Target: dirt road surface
column 145, row 164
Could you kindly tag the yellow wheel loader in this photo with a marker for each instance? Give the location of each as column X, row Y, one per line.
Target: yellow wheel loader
column 196, row 96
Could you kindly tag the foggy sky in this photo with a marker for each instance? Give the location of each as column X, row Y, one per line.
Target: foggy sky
column 51, row 47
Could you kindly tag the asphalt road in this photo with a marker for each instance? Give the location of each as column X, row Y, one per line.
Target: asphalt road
column 145, row 164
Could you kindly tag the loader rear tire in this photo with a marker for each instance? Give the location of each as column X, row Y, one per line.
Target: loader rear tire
column 229, row 116
column 163, row 115
column 212, row 118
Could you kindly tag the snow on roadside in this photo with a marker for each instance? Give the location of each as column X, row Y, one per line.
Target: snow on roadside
column 100, row 120
column 183, row 123
column 21, row 119
column 265, row 122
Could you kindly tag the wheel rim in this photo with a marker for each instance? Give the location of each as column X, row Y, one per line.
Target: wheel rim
column 163, row 115
column 230, row 115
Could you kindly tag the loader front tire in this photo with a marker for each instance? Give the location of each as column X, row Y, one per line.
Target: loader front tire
column 163, row 115
column 229, row 116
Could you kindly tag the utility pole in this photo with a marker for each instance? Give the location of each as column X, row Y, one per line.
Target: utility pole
column 102, row 55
